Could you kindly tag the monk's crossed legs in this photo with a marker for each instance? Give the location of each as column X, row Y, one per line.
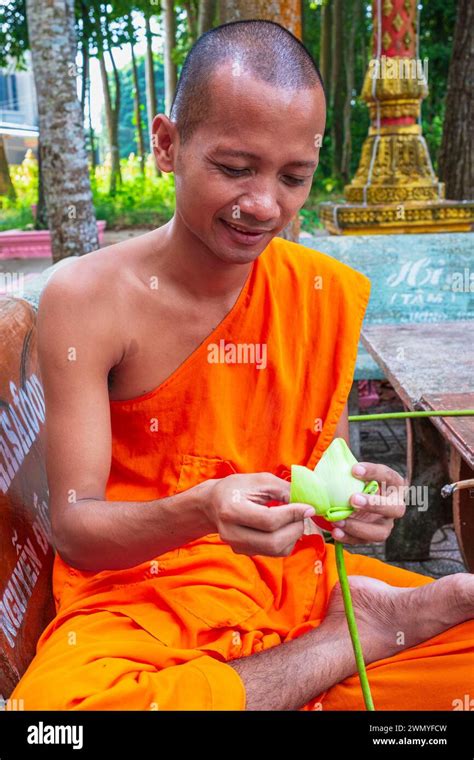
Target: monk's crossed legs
column 103, row 660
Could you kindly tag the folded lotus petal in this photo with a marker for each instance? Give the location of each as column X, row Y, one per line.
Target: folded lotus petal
column 329, row 487
column 307, row 488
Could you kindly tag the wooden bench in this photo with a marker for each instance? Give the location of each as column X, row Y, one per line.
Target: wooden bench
column 26, row 601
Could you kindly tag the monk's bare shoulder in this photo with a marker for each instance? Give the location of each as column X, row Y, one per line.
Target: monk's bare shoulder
column 94, row 292
column 106, row 270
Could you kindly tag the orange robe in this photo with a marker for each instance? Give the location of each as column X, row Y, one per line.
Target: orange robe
column 265, row 390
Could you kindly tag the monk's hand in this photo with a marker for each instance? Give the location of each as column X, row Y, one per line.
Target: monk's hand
column 238, row 508
column 375, row 514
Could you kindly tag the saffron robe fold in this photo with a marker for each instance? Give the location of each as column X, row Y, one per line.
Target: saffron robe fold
column 263, row 391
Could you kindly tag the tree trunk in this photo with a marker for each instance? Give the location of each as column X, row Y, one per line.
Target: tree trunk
column 191, row 19
column 325, row 43
column 456, row 158
column 337, row 88
column 151, row 105
column 85, row 78
column 363, row 40
column 351, row 8
column 91, row 133
column 41, row 218
column 169, row 44
column 112, row 128
column 206, row 15
column 136, row 99
column 6, row 184
column 65, row 172
column 284, row 12
column 116, row 171
column 112, row 109
column 86, row 82
column 288, row 14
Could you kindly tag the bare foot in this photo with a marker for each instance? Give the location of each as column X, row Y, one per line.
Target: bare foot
column 390, row 618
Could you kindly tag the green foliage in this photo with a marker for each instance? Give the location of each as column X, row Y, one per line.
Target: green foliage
column 15, row 216
column 433, row 133
column 13, row 33
column 127, row 120
column 145, row 202
column 325, row 189
column 18, row 214
column 141, row 202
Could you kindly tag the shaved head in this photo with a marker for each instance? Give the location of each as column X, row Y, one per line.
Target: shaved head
column 264, row 49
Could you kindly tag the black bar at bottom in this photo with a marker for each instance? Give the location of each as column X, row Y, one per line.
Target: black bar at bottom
column 133, row 734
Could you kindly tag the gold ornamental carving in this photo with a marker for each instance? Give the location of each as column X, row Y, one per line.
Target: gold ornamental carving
column 395, row 188
column 397, row 22
column 386, row 41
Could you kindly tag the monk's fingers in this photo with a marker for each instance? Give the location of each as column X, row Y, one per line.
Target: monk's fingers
column 264, row 487
column 266, row 519
column 358, row 532
column 383, row 474
column 392, row 505
column 280, row 543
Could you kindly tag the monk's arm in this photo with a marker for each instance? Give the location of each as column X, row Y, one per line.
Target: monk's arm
column 110, row 535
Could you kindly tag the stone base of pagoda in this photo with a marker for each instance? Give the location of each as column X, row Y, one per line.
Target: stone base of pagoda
column 384, row 218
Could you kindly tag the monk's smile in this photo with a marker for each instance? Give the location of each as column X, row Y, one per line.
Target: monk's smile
column 248, row 168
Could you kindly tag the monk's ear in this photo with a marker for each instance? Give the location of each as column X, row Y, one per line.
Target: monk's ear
column 164, row 137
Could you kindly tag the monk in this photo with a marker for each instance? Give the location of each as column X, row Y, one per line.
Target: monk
column 184, row 372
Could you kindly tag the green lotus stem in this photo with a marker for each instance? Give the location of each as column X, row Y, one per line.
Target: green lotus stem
column 370, row 487
column 351, row 622
column 404, row 415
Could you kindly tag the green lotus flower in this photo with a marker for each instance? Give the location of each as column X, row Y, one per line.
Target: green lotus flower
column 329, row 487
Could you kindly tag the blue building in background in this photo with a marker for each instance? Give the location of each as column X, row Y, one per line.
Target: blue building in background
column 18, row 112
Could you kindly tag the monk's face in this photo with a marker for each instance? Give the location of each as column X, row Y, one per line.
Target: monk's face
column 251, row 164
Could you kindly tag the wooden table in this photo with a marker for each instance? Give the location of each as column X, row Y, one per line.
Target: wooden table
column 459, row 432
column 431, row 367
